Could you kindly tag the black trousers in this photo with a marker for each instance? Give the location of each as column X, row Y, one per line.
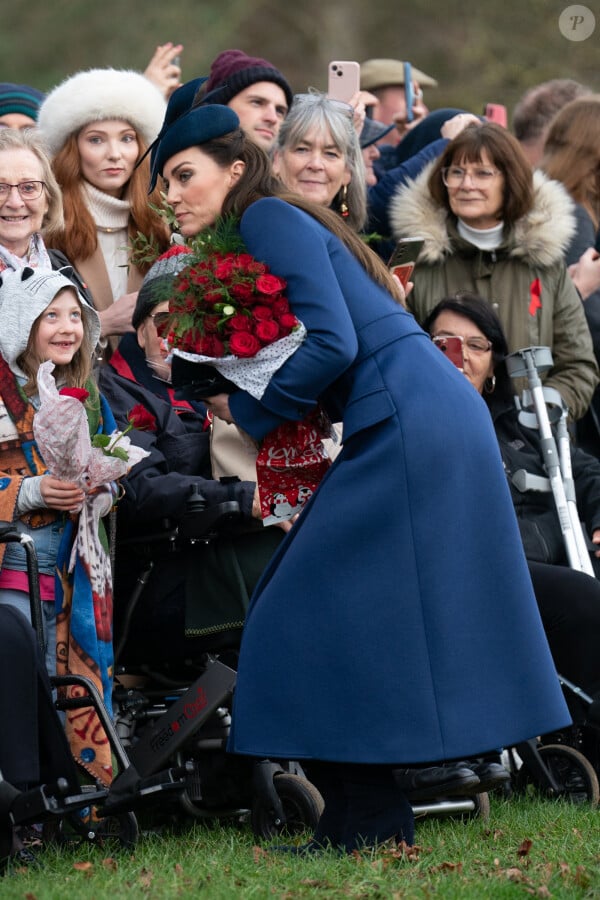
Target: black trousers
column 569, row 604
column 33, row 746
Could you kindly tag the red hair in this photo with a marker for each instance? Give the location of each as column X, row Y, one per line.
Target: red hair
column 78, row 240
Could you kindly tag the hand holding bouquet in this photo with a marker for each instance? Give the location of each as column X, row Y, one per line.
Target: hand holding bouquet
column 230, row 314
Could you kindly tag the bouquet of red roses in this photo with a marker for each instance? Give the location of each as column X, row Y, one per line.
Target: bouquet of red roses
column 230, row 314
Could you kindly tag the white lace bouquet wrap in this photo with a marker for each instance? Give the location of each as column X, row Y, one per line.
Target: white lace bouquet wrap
column 252, row 373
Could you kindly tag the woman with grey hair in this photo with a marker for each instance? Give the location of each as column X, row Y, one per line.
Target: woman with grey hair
column 318, row 156
column 31, row 209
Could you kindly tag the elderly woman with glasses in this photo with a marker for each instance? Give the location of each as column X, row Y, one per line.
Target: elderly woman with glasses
column 31, row 210
column 493, row 227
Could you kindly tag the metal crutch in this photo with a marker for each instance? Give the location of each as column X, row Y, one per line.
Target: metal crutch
column 529, row 363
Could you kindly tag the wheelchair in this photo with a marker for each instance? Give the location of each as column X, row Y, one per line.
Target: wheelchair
column 172, row 708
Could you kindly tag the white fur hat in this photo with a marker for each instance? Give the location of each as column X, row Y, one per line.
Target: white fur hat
column 98, row 94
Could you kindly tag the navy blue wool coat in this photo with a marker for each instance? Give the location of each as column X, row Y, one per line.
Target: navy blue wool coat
column 396, row 623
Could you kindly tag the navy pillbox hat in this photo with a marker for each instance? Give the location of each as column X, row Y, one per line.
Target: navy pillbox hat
column 199, row 125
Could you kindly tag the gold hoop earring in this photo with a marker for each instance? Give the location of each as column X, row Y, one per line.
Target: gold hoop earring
column 344, row 210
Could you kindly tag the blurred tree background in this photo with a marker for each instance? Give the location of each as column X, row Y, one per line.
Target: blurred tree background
column 480, row 51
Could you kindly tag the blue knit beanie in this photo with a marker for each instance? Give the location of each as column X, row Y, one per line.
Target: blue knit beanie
column 20, row 98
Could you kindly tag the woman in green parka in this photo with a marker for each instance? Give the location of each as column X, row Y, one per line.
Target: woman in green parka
column 493, row 227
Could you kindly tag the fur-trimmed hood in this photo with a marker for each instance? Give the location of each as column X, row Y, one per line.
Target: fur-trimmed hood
column 541, row 236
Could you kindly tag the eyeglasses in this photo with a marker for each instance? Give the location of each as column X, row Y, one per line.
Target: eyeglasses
column 160, row 319
column 453, row 176
column 28, row 190
column 474, row 344
column 316, row 98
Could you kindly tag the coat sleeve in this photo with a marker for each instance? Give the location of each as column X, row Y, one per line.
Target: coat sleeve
column 297, row 248
column 575, row 371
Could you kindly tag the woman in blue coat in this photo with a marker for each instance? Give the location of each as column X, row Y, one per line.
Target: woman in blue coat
column 396, row 624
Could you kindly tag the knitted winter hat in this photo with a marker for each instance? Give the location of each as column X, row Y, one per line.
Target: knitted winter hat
column 156, row 283
column 24, row 295
column 234, row 70
column 20, row 98
column 98, row 94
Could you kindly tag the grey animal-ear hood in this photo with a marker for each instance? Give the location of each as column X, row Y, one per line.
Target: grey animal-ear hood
column 541, row 236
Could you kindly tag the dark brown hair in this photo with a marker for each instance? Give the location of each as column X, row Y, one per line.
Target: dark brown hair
column 504, row 153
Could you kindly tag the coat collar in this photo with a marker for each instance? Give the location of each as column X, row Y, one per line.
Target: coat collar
column 540, row 237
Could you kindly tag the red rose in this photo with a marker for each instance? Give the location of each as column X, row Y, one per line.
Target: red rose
column 242, row 290
column 212, row 296
column 256, row 268
column 211, row 324
column 267, row 332
column 262, row 313
column 182, row 285
column 175, row 250
column 224, row 269
column 244, row 344
column 270, row 284
column 209, row 345
column 240, row 323
column 242, row 261
column 288, row 320
column 280, row 306
column 140, row 418
column 78, row 393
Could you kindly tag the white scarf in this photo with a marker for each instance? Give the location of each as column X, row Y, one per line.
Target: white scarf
column 36, row 256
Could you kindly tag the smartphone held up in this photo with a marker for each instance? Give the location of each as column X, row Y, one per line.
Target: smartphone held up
column 403, row 260
column 343, row 79
column 452, row 347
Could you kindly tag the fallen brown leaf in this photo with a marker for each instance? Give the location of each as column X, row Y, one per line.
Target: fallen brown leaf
column 110, row 864
column 525, row 847
column 83, row 866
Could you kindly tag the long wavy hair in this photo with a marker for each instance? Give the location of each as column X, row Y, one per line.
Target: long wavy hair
column 13, row 139
column 572, row 152
column 79, row 239
column 257, row 181
column 75, row 374
column 317, row 111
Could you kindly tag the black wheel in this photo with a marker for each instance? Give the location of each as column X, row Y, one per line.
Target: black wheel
column 302, row 807
column 6, row 834
column 574, row 774
column 72, row 828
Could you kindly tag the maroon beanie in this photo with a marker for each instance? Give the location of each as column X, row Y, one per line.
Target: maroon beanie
column 234, row 70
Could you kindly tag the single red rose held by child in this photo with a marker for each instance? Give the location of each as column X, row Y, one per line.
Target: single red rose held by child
column 78, row 393
column 141, row 418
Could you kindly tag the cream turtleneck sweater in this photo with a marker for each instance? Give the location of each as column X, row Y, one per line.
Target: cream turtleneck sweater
column 111, row 216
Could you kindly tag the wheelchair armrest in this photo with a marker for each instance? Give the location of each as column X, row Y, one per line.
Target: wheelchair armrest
column 204, row 523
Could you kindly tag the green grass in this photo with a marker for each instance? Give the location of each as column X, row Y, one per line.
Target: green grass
column 526, row 848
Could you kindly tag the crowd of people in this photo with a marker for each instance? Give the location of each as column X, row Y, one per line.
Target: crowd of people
column 364, row 619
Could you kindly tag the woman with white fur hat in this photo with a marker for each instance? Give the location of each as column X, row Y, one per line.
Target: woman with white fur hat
column 97, row 124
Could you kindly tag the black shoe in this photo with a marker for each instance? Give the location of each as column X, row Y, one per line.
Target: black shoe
column 491, row 775
column 437, row 781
